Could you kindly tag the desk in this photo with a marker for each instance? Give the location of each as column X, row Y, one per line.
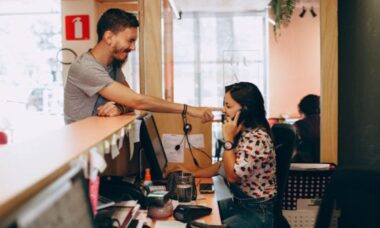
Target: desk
column 209, row 201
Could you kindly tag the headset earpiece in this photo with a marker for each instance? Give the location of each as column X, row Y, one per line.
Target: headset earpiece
column 187, row 128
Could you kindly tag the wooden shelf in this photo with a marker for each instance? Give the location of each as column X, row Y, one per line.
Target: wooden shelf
column 27, row 168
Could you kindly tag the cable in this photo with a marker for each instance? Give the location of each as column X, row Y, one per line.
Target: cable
column 185, row 137
column 178, row 146
column 191, row 152
column 186, row 129
column 199, row 149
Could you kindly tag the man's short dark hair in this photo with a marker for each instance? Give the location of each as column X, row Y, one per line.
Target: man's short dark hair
column 115, row 20
column 309, row 105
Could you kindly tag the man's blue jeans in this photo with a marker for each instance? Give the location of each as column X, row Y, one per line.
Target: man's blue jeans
column 250, row 213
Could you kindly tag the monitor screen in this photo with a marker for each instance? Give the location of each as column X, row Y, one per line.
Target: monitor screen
column 152, row 145
column 64, row 203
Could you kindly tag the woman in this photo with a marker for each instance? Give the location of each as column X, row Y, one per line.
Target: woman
column 249, row 163
column 248, row 159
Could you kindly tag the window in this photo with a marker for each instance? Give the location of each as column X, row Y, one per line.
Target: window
column 212, row 50
column 31, row 90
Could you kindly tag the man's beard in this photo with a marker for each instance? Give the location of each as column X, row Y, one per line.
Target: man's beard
column 120, row 62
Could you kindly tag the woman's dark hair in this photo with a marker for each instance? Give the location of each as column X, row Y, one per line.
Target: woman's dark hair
column 115, row 20
column 251, row 100
column 309, row 105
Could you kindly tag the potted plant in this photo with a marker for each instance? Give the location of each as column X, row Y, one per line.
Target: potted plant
column 282, row 11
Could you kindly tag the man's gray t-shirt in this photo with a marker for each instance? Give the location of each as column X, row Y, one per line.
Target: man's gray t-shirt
column 86, row 77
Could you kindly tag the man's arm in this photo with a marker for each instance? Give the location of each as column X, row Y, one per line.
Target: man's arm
column 121, row 94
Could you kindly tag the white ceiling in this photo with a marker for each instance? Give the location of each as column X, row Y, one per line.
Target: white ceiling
column 221, row 5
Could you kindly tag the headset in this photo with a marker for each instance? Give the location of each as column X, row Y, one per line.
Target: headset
column 186, row 127
column 186, row 130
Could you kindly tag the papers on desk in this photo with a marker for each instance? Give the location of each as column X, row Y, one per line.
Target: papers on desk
column 309, row 166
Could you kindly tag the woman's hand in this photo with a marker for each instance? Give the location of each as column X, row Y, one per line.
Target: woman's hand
column 231, row 128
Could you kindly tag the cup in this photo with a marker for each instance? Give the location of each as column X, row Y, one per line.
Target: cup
column 184, row 187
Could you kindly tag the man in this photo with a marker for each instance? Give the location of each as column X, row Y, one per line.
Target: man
column 308, row 130
column 96, row 84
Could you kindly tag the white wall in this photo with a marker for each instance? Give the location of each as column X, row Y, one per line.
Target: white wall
column 78, row 7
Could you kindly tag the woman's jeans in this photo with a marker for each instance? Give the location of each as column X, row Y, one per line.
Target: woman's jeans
column 244, row 213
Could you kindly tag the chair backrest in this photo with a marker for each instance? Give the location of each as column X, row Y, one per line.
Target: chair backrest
column 284, row 137
column 353, row 196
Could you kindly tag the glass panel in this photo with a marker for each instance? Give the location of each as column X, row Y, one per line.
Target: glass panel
column 31, row 90
column 215, row 49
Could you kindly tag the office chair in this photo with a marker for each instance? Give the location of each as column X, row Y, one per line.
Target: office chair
column 353, row 196
column 284, row 138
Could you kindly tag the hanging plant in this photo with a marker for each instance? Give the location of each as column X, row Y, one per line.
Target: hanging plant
column 282, row 11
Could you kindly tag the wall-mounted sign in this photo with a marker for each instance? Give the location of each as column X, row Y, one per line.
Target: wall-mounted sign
column 77, row 27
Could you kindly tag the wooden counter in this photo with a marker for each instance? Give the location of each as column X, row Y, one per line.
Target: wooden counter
column 209, row 201
column 27, row 168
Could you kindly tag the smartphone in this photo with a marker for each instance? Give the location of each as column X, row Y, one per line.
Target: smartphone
column 242, row 116
column 206, row 188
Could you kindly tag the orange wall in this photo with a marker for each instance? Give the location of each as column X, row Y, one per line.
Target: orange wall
column 294, row 64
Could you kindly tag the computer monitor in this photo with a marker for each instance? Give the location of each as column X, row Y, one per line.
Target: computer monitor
column 152, row 146
column 64, row 203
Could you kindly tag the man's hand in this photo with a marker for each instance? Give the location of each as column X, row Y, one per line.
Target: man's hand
column 109, row 109
column 205, row 113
